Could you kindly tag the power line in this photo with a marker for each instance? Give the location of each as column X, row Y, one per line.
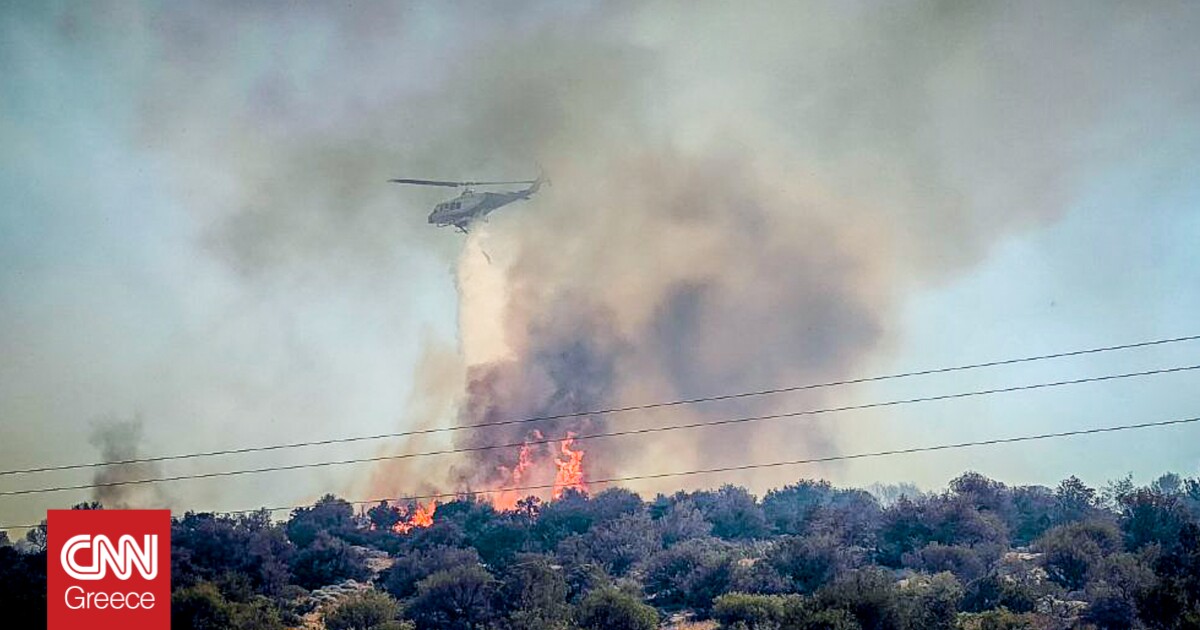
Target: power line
column 743, row 467
column 677, row 427
column 611, row 410
column 798, row 462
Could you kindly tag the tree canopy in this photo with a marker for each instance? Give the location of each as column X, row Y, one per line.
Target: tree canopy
column 980, row 554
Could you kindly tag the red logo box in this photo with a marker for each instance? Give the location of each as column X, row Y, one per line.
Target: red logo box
column 108, row 569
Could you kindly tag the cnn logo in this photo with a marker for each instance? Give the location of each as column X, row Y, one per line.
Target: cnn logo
column 112, row 570
column 123, row 557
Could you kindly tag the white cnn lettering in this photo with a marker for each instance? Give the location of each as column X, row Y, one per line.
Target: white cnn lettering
column 121, row 558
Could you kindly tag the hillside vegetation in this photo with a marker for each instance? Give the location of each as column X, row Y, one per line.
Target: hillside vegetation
column 980, row 555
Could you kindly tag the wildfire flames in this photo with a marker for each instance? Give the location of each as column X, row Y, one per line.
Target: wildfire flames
column 422, row 516
column 568, row 471
column 568, row 474
column 509, row 494
column 570, row 468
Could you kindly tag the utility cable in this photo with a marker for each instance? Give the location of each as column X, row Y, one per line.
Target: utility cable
column 611, row 410
column 677, row 427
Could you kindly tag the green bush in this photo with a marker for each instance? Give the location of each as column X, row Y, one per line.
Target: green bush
column 1001, row 619
column 534, row 595
column 868, row 594
column 458, row 598
column 199, row 607
column 752, row 612
column 610, row 609
column 690, row 574
column 365, row 611
column 807, row 614
column 204, row 607
column 931, row 602
column 1071, row 552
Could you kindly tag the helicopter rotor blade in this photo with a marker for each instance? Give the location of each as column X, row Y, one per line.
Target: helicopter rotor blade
column 428, row 182
column 435, row 182
column 519, row 181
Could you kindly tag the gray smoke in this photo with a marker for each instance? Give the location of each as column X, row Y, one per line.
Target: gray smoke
column 743, row 194
column 119, row 441
column 829, row 176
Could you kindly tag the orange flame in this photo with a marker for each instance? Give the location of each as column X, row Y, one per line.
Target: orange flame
column 529, row 468
column 570, row 468
column 507, row 498
column 422, row 516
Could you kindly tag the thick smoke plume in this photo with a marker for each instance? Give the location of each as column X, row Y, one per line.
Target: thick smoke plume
column 725, row 221
column 685, row 279
column 743, row 195
column 119, row 441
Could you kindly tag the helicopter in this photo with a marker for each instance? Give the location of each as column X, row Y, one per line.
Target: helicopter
column 466, row 208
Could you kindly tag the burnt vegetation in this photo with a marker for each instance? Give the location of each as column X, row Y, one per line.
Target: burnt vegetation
column 980, row 555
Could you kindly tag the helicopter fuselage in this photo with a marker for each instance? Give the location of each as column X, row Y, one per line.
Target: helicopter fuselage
column 471, row 206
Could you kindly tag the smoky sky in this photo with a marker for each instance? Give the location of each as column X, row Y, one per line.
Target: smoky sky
column 742, row 197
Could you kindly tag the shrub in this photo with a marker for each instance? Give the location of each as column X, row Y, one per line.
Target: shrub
column 203, row 607
column 751, row 612
column 400, row 580
column 994, row 591
column 610, row 609
column 328, row 560
column 930, row 602
column 809, row 562
column 964, row 562
column 1069, row 552
column 364, row 611
column 868, row 594
column 691, row 574
column 461, row 597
